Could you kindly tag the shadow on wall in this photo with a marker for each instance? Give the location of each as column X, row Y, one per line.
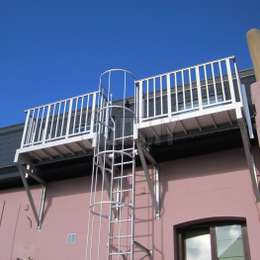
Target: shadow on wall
column 66, row 188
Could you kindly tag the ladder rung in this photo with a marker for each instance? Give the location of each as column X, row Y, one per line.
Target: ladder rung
column 123, row 163
column 128, row 149
column 124, row 176
column 121, row 220
column 121, row 253
column 125, row 137
column 121, row 191
column 122, row 236
column 122, row 205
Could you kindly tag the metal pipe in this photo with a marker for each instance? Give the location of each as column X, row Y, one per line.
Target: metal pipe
column 253, row 41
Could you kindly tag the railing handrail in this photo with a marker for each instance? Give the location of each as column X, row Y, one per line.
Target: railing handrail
column 185, row 68
column 211, row 82
column 61, row 100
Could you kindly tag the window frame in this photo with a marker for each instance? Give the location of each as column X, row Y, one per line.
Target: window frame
column 209, row 224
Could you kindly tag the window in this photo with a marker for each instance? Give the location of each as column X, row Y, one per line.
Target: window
column 212, row 241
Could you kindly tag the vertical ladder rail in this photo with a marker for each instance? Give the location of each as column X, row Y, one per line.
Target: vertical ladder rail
column 113, row 171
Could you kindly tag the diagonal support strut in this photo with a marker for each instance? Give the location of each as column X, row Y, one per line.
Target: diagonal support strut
column 154, row 191
column 25, row 173
column 249, row 157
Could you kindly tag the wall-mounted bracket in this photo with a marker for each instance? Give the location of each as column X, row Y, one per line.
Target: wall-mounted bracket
column 26, row 171
column 153, row 186
column 249, row 157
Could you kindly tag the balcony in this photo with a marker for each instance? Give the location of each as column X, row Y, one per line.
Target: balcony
column 197, row 99
column 59, row 129
column 193, row 99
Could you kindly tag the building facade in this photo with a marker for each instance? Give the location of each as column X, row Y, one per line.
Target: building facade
column 189, row 191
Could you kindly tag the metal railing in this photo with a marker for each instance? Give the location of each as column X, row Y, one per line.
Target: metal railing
column 60, row 120
column 198, row 87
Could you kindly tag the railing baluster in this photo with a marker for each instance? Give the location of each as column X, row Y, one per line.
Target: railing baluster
column 222, row 80
column 238, row 80
column 147, row 99
column 69, row 117
column 25, row 129
column 200, row 103
column 81, row 109
column 41, row 124
column 176, row 92
column 191, row 90
column 183, row 90
column 93, row 113
column 46, row 124
column 58, row 120
column 52, row 120
column 214, row 82
column 161, row 95
column 86, row 117
column 230, row 79
column 75, row 115
column 31, row 126
column 169, row 103
column 154, row 98
column 63, row 117
column 140, row 101
column 206, row 83
column 36, row 123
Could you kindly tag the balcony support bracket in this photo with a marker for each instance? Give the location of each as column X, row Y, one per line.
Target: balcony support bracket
column 249, row 156
column 152, row 185
column 26, row 171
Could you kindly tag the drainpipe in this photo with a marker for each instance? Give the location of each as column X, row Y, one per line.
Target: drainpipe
column 253, row 41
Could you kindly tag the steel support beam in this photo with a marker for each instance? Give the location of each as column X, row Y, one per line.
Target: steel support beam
column 149, row 252
column 25, row 173
column 249, row 157
column 152, row 188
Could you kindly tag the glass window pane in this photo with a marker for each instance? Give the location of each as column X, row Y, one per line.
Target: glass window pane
column 230, row 243
column 197, row 247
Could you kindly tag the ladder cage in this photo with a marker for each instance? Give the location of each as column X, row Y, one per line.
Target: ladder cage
column 112, row 198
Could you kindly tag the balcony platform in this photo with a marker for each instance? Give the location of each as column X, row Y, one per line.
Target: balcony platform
column 190, row 100
column 64, row 148
column 59, row 130
column 188, row 123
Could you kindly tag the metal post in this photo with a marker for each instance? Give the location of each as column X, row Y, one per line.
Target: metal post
column 93, row 113
column 200, row 103
column 169, row 102
column 249, row 158
column 46, row 124
column 230, row 80
column 38, row 215
column 147, row 177
column 69, row 118
column 25, row 127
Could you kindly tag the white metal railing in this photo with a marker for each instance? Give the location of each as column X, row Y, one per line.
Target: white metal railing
column 60, row 120
column 198, row 87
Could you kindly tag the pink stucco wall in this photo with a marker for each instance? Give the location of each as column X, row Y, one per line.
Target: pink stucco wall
column 198, row 187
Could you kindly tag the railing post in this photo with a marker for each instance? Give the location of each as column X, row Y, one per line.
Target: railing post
column 25, row 128
column 230, row 80
column 93, row 113
column 140, row 101
column 200, row 103
column 169, row 103
column 238, row 79
column 46, row 124
column 69, row 118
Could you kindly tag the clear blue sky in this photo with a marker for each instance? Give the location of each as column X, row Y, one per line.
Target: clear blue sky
column 55, row 49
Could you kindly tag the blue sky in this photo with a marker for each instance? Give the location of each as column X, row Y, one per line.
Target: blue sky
column 55, row 49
